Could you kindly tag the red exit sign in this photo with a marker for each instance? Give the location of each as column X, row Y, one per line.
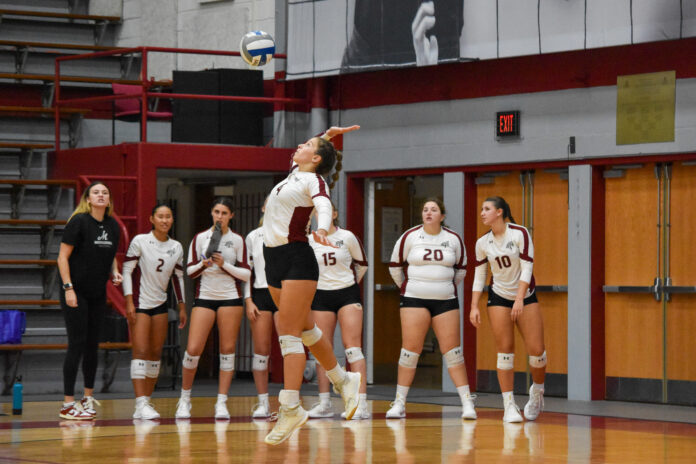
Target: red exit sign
column 507, row 124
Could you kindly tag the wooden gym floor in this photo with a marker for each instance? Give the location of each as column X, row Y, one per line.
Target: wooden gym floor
column 432, row 433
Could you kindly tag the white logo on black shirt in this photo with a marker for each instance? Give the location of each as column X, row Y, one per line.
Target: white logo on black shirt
column 103, row 239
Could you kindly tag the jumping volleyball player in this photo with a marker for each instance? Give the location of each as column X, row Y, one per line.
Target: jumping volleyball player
column 152, row 260
column 292, row 273
column 508, row 248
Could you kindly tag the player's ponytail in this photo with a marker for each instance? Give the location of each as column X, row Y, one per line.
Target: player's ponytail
column 500, row 203
column 338, row 167
column 329, row 157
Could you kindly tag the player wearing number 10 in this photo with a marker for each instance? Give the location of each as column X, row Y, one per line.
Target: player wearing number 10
column 428, row 262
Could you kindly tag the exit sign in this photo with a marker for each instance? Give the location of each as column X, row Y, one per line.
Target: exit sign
column 507, row 124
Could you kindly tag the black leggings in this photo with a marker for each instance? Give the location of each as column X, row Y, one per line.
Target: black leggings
column 83, row 325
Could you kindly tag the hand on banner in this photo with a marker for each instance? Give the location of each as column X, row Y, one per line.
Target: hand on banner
column 425, row 47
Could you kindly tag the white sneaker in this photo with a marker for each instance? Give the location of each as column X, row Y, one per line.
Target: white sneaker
column 397, row 410
column 350, row 392
column 183, row 409
column 535, row 404
column 221, row 411
column 145, row 410
column 289, row 420
column 320, row 410
column 512, row 412
column 361, row 413
column 261, row 410
column 88, row 403
column 468, row 411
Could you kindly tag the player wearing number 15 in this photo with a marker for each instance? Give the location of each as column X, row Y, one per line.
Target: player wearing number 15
column 428, row 262
column 152, row 261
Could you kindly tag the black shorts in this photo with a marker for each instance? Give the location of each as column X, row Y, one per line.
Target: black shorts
column 161, row 309
column 216, row 304
column 333, row 300
column 262, row 299
column 497, row 300
column 436, row 307
column 293, row 261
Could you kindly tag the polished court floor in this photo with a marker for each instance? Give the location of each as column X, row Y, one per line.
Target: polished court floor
column 431, row 433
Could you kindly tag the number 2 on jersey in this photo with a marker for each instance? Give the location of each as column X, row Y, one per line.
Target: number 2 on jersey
column 329, row 259
column 436, row 255
column 161, row 263
column 503, row 261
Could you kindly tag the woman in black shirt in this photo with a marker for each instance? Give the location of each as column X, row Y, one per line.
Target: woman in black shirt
column 85, row 262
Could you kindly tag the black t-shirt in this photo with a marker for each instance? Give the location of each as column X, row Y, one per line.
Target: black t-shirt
column 95, row 244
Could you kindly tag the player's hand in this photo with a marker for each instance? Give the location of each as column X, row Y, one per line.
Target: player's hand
column 207, row 262
column 517, row 309
column 183, row 317
column 71, row 298
column 475, row 317
column 218, row 259
column 252, row 310
column 130, row 312
column 116, row 278
column 335, row 130
column 424, row 46
column 320, row 236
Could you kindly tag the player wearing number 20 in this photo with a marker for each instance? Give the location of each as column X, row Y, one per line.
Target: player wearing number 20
column 428, row 262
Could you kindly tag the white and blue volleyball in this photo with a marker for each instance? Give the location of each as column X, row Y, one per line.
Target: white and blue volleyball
column 257, row 48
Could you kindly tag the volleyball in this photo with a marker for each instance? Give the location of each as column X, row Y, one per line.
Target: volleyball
column 257, row 48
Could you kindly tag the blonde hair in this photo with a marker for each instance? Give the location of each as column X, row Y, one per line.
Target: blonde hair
column 85, row 207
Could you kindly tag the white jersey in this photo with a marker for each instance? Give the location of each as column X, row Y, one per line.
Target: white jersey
column 219, row 283
column 428, row 266
column 511, row 258
column 257, row 263
column 290, row 205
column 343, row 266
column 149, row 266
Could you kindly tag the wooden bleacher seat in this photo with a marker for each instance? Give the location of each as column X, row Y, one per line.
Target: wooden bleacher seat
column 81, row 79
column 55, row 46
column 48, row 182
column 48, row 14
column 63, row 346
column 26, row 146
column 28, row 262
column 32, row 222
column 29, row 303
column 42, row 111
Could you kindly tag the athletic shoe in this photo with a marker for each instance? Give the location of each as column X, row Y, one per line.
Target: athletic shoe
column 468, row 411
column 535, row 404
column 361, row 413
column 289, row 420
column 350, row 392
column 183, row 409
column 320, row 410
column 397, row 410
column 88, row 403
column 512, row 412
column 74, row 411
column 261, row 410
column 145, row 410
column 221, row 411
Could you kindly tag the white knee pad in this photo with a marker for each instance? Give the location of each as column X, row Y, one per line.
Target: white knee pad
column 538, row 361
column 311, row 336
column 152, row 370
column 138, row 369
column 190, row 362
column 506, row 361
column 259, row 362
column 454, row 357
column 408, row 358
column 227, row 362
column 354, row 354
column 290, row 345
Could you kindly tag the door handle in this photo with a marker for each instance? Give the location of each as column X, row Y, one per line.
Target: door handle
column 384, row 287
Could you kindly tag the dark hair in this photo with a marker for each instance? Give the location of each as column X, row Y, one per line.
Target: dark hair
column 335, row 221
column 500, row 203
column 440, row 204
column 329, row 157
column 158, row 206
column 224, row 201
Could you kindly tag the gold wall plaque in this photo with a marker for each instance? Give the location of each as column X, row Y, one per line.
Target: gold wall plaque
column 645, row 108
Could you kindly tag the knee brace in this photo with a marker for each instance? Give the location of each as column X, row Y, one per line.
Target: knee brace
column 152, row 370
column 454, row 357
column 408, row 359
column 354, row 354
column 190, row 362
column 290, row 345
column 311, row 336
column 259, row 362
column 538, row 361
column 506, row 361
column 138, row 369
column 227, row 362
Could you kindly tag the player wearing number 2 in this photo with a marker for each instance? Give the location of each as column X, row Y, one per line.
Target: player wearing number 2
column 508, row 248
column 341, row 267
column 428, row 262
column 152, row 261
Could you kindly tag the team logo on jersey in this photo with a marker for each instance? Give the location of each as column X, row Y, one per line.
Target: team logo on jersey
column 228, row 244
column 339, row 243
column 510, row 245
column 171, row 252
column 103, row 239
column 445, row 244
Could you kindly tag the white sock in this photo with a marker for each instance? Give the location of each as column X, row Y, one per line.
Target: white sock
column 221, row 398
column 325, row 399
column 362, row 398
column 464, row 393
column 185, row 394
column 337, row 375
column 289, row 398
column 402, row 392
column 508, row 396
column 538, row 386
column 263, row 398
